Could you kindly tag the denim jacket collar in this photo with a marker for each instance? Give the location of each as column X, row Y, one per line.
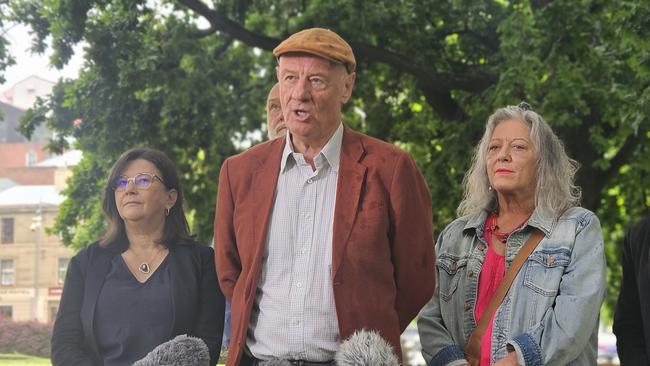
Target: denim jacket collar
column 543, row 220
column 540, row 219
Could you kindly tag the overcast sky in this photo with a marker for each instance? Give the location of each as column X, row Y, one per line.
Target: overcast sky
column 28, row 64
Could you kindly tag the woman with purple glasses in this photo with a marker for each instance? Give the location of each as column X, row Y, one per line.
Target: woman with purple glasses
column 145, row 281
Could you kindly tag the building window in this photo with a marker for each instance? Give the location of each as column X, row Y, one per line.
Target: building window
column 6, row 312
column 6, row 272
column 31, row 158
column 7, row 230
column 62, row 268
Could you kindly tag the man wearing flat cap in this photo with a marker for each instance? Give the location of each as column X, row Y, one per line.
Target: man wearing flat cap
column 322, row 232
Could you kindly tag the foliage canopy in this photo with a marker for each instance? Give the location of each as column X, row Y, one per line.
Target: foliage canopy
column 190, row 77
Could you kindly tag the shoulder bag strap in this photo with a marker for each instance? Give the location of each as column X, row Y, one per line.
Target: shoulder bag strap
column 506, row 282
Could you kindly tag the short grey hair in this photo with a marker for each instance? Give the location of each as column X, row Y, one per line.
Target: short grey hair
column 555, row 189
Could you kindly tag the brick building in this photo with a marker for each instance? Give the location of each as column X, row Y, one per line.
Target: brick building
column 32, row 263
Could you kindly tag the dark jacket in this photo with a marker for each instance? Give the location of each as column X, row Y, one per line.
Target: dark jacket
column 632, row 317
column 198, row 304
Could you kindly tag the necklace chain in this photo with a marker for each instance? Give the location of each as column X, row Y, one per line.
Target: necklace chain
column 494, row 228
column 144, row 266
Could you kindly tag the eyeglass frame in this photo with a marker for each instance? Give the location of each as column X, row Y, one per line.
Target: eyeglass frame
column 117, row 188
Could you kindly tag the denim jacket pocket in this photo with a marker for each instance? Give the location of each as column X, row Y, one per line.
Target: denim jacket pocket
column 450, row 268
column 544, row 270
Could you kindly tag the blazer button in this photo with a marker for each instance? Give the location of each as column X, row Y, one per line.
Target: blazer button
column 471, row 273
column 453, row 266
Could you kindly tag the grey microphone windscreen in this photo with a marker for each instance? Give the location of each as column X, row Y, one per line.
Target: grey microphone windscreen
column 366, row 348
column 180, row 351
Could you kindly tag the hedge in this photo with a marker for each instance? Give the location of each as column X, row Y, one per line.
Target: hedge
column 26, row 337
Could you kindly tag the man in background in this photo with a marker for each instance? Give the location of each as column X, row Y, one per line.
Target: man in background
column 632, row 316
column 274, row 119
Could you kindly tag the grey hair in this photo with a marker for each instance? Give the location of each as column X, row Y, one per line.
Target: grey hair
column 555, row 189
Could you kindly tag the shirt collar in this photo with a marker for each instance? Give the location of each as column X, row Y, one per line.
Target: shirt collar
column 331, row 151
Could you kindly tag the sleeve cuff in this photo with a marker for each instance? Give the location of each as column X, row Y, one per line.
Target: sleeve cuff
column 449, row 356
column 528, row 352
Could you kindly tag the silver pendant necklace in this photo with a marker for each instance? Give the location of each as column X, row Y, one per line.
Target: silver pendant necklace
column 144, row 266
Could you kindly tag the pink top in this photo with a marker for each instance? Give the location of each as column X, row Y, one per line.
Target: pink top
column 492, row 272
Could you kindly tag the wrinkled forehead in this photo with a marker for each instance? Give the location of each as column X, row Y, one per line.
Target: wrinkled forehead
column 298, row 60
column 511, row 128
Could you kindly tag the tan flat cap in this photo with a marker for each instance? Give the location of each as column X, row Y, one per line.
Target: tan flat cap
column 320, row 42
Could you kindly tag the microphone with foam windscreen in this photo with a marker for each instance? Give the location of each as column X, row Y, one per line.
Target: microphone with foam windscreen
column 180, row 351
column 366, row 348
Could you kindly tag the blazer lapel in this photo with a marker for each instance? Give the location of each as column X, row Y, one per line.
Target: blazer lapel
column 98, row 267
column 184, row 289
column 265, row 180
column 352, row 175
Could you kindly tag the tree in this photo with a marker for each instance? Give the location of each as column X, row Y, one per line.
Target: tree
column 190, row 77
column 5, row 58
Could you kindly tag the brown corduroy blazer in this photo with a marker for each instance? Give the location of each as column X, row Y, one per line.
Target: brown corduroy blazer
column 383, row 247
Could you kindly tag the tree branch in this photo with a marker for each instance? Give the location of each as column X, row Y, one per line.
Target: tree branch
column 624, row 154
column 436, row 86
column 221, row 49
column 440, row 82
column 220, row 23
column 539, row 4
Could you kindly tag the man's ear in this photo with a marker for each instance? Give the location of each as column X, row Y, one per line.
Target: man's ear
column 348, row 86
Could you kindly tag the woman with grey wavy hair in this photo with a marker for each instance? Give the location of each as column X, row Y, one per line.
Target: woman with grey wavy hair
column 519, row 212
column 555, row 189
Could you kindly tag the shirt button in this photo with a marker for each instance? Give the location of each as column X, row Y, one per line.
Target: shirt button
column 467, row 306
column 481, row 247
column 453, row 266
column 299, row 284
column 550, row 260
column 310, row 181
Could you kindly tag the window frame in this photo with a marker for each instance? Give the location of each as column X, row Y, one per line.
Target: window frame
column 7, row 238
column 3, row 311
column 7, row 272
column 61, row 271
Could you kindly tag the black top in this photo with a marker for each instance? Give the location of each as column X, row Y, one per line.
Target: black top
column 132, row 318
column 197, row 303
column 632, row 317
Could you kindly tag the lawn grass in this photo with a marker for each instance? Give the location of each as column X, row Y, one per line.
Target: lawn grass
column 16, row 359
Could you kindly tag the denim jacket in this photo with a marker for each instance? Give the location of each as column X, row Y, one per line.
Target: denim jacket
column 550, row 314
